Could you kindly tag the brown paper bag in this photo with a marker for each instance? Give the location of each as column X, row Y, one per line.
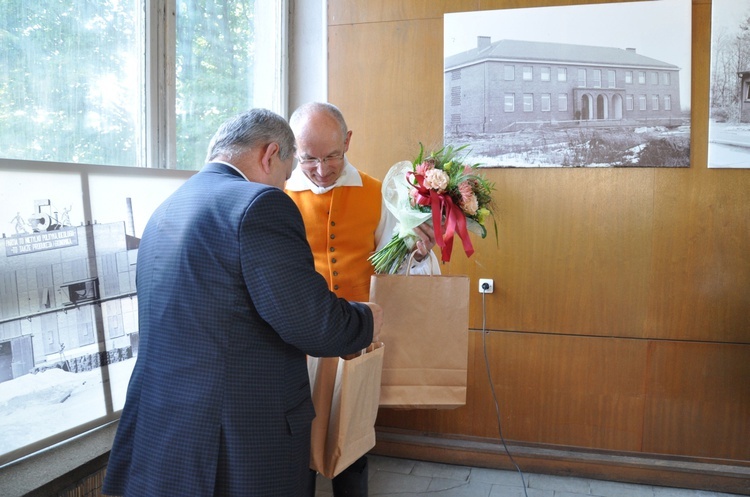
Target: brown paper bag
column 426, row 329
column 346, row 395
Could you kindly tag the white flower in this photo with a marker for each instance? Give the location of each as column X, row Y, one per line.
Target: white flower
column 436, row 179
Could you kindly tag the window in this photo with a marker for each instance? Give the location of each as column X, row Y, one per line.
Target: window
column 72, row 102
column 544, row 73
column 79, row 88
column 667, row 102
column 562, row 74
column 82, row 291
column 509, row 73
column 666, row 79
column 654, row 78
column 611, row 79
column 582, row 78
column 628, row 77
column 528, row 102
column 456, row 75
column 629, row 102
column 546, row 102
column 562, row 102
column 509, row 102
column 455, row 96
column 79, row 91
column 597, row 79
column 654, row 102
column 528, row 73
column 642, row 77
column 641, row 102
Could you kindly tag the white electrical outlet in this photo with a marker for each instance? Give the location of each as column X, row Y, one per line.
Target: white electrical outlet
column 486, row 285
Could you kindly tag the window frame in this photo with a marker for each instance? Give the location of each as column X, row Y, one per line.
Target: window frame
column 528, row 102
column 545, row 104
column 158, row 134
column 509, row 102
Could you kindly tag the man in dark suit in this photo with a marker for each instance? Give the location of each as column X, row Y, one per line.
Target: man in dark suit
column 229, row 304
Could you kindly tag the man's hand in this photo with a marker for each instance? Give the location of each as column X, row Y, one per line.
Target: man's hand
column 377, row 319
column 426, row 241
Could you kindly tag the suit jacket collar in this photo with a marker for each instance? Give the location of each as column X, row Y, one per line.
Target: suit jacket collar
column 224, row 167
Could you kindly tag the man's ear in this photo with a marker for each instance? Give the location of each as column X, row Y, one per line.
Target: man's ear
column 265, row 161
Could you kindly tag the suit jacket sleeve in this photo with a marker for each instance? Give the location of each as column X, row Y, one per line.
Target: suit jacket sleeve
column 287, row 292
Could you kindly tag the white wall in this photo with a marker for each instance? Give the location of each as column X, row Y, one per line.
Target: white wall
column 308, row 52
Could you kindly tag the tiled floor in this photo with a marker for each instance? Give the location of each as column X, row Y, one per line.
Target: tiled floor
column 393, row 477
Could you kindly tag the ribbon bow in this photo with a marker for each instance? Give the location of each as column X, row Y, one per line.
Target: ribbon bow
column 442, row 207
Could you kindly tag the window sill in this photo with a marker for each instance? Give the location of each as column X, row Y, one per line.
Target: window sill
column 38, row 473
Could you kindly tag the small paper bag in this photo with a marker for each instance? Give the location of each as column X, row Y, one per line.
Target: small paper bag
column 346, row 395
column 426, row 329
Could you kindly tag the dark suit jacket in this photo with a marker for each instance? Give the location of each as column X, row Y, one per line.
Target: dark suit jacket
column 229, row 304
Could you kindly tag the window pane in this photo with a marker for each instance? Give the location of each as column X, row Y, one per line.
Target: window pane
column 215, row 46
column 71, row 81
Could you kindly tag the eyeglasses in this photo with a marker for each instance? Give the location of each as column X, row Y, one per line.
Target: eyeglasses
column 331, row 160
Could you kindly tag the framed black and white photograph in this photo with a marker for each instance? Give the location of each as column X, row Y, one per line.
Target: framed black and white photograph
column 68, row 303
column 729, row 119
column 605, row 85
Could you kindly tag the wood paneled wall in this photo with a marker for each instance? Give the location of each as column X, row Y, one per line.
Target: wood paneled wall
column 621, row 314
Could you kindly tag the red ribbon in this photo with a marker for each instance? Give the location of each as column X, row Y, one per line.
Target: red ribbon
column 443, row 207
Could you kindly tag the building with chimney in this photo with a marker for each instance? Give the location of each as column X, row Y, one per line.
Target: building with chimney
column 508, row 84
column 67, row 296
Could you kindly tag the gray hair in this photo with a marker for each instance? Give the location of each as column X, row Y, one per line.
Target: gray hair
column 306, row 110
column 253, row 128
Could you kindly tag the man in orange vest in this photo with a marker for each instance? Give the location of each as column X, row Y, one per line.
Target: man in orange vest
column 345, row 222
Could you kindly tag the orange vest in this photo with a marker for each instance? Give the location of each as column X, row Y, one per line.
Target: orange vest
column 340, row 226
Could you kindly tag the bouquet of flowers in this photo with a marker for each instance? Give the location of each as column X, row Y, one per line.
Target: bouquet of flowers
column 440, row 188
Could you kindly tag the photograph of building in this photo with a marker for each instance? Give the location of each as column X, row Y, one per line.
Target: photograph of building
column 68, row 301
column 729, row 120
column 534, row 90
column 508, row 84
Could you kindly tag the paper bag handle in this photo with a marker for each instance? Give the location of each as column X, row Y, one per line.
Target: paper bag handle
column 409, row 263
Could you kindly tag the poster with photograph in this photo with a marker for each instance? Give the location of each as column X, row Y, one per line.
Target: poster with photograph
column 570, row 86
column 68, row 302
column 729, row 117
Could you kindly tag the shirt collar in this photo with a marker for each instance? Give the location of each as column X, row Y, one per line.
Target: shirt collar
column 298, row 182
column 233, row 167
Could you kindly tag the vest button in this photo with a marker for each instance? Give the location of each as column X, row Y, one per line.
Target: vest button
column 333, row 261
column 335, row 273
column 335, row 287
column 333, row 236
column 333, row 223
column 333, row 249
